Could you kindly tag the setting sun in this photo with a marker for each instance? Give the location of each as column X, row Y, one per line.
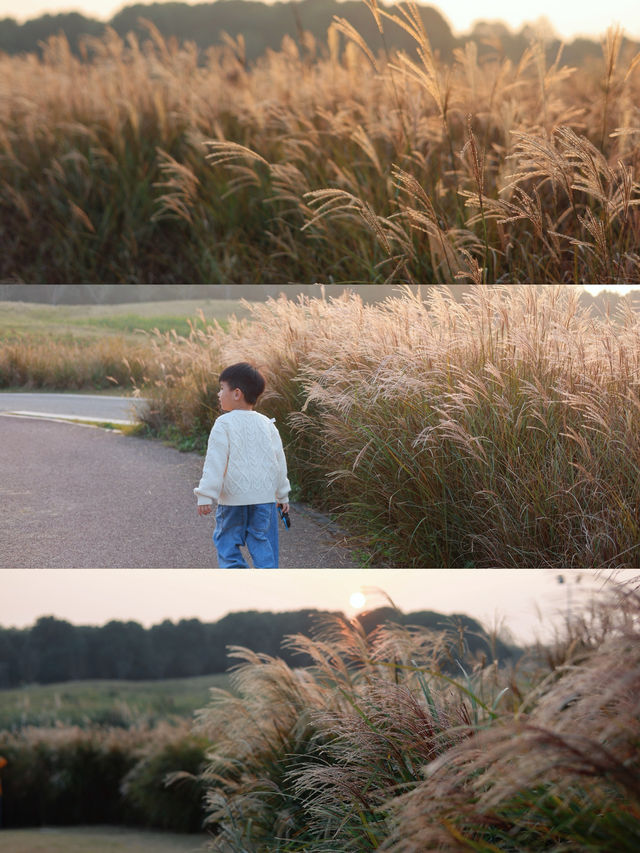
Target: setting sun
column 357, row 600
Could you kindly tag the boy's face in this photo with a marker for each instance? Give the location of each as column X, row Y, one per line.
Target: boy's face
column 229, row 398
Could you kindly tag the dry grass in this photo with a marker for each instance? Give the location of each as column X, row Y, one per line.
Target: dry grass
column 375, row 748
column 74, row 363
column 145, row 163
column 72, row 347
column 562, row 774
column 498, row 431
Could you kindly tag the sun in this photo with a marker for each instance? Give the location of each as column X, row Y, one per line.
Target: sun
column 357, row 600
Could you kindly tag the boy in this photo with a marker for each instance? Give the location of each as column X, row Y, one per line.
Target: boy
column 245, row 471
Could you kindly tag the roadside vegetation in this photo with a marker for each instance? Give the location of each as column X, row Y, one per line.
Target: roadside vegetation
column 500, row 430
column 145, row 161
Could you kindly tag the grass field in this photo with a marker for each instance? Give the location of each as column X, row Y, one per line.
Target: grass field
column 112, row 702
column 96, row 839
column 94, row 347
column 125, row 320
column 146, row 162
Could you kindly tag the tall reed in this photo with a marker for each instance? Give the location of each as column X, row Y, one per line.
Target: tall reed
column 143, row 161
column 497, row 431
column 375, row 748
column 304, row 759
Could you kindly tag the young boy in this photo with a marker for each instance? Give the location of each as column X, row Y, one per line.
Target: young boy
column 245, row 471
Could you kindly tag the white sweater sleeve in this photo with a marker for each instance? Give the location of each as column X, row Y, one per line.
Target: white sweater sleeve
column 215, row 465
column 283, row 487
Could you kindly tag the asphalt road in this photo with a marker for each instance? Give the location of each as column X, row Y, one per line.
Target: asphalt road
column 99, row 407
column 76, row 496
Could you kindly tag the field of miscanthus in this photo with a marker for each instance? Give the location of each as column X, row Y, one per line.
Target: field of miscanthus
column 501, row 430
column 320, row 162
column 375, row 748
column 396, row 740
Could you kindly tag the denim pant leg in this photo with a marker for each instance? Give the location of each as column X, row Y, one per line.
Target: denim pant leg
column 262, row 535
column 229, row 534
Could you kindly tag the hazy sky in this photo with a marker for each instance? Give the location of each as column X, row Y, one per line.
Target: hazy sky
column 573, row 17
column 519, row 598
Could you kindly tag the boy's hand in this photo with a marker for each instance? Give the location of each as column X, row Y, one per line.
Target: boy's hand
column 285, row 507
column 204, row 509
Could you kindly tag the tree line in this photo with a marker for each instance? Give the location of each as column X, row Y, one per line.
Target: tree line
column 54, row 650
column 264, row 26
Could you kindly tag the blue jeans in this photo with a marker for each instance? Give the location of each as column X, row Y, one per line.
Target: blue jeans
column 255, row 526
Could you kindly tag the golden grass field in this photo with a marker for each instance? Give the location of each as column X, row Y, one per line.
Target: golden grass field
column 146, row 162
column 94, row 347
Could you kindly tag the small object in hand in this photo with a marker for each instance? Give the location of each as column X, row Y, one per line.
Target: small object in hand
column 284, row 516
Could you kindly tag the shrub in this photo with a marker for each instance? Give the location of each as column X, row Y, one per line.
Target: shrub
column 303, row 759
column 163, row 787
column 68, row 776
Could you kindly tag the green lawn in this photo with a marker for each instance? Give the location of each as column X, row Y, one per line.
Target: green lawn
column 123, row 319
column 105, row 702
column 98, row 839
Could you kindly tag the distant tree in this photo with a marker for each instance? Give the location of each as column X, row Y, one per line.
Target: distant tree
column 53, row 651
column 263, row 26
column 119, row 650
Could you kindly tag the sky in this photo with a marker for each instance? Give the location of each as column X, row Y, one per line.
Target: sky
column 568, row 19
column 530, row 603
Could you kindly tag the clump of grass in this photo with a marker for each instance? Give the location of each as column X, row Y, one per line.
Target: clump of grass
column 497, row 431
column 304, row 758
column 562, row 774
column 374, row 748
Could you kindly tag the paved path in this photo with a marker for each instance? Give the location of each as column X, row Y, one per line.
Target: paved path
column 92, row 407
column 75, row 496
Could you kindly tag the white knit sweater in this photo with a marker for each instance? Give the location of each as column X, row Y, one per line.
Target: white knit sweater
column 245, row 462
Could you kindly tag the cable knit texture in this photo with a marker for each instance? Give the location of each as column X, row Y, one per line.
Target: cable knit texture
column 245, row 462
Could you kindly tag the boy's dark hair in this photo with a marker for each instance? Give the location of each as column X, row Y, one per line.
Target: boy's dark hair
column 245, row 377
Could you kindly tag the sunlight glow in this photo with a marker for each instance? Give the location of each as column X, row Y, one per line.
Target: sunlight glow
column 357, row 600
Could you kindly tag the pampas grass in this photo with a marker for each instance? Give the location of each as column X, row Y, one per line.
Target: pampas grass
column 497, row 431
column 374, row 747
column 143, row 161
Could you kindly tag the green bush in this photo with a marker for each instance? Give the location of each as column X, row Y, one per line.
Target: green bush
column 70, row 776
column 164, row 788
